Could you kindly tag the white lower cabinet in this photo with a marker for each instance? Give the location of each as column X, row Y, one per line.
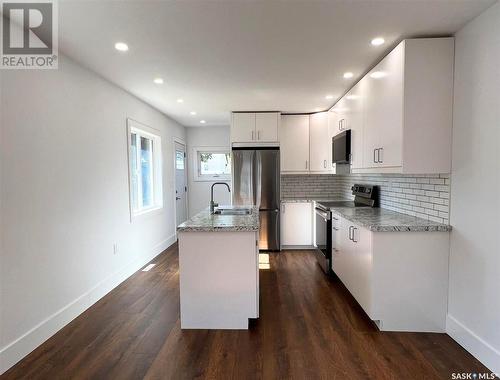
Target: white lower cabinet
column 400, row 279
column 296, row 224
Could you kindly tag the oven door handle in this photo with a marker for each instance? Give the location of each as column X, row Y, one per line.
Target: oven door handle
column 321, row 213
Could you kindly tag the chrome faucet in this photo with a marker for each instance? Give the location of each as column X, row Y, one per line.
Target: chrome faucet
column 213, row 205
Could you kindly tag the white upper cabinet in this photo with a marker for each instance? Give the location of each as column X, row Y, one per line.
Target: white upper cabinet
column 294, row 143
column 251, row 127
column 320, row 145
column 243, row 127
column 407, row 110
column 353, row 115
column 266, row 126
column 384, row 112
column 337, row 118
column 400, row 113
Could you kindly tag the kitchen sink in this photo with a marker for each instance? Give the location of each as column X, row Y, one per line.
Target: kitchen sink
column 233, row 211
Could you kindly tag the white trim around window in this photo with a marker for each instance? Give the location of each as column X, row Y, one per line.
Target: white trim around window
column 196, row 162
column 145, row 169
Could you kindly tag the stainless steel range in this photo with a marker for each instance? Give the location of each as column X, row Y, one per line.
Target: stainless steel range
column 326, row 224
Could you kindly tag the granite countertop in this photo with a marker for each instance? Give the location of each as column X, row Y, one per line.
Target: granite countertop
column 206, row 222
column 383, row 220
column 380, row 219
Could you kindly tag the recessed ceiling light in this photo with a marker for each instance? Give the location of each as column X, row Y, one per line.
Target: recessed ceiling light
column 158, row 80
column 377, row 41
column 378, row 74
column 121, row 46
column 328, row 97
column 180, row 100
column 193, row 113
column 348, row 75
column 202, row 121
column 351, row 97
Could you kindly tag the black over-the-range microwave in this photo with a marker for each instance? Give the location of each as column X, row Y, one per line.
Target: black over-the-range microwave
column 341, row 147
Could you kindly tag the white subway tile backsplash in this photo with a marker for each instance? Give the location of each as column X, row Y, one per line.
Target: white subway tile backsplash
column 422, row 195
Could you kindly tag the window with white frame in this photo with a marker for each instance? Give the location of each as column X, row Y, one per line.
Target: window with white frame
column 211, row 163
column 144, row 145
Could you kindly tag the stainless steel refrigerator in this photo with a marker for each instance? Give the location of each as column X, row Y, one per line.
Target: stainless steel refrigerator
column 256, row 181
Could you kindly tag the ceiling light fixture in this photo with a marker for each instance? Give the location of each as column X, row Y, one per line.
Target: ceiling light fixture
column 329, row 97
column 180, row 100
column 351, row 97
column 348, row 75
column 121, row 46
column 158, row 80
column 377, row 41
column 192, row 113
column 378, row 74
column 202, row 121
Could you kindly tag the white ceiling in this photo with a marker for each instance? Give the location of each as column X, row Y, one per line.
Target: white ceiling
column 221, row 56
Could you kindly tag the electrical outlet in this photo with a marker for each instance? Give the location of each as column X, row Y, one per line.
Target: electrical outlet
column 115, row 248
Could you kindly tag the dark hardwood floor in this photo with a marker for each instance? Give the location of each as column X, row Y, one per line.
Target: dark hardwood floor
column 310, row 328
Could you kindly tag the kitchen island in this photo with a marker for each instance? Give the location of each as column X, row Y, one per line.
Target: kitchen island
column 219, row 269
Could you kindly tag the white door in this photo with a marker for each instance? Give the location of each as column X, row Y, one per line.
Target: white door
column 341, row 262
column 180, row 183
column 361, row 255
column 296, row 223
column 354, row 116
column 320, row 143
column 243, row 127
column 383, row 109
column 391, row 131
column 294, row 143
column 266, row 126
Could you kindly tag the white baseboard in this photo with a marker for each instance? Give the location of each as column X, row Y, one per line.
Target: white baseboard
column 22, row 346
column 477, row 346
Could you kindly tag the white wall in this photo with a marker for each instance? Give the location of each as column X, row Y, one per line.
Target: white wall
column 199, row 192
column 64, row 199
column 474, row 299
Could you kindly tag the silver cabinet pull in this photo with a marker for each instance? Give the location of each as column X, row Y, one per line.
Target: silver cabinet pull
column 350, row 229
column 258, row 135
column 374, row 154
column 353, row 234
column 380, row 156
column 252, row 135
column 324, row 164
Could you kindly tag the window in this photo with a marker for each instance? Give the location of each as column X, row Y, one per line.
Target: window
column 144, row 168
column 211, row 163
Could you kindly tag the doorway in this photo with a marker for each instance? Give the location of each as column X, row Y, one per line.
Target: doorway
column 180, row 183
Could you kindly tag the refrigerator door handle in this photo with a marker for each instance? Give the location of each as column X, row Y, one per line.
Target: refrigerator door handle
column 257, row 192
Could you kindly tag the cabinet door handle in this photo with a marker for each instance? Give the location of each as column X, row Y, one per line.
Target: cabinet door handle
column 380, row 156
column 353, row 234
column 340, row 128
column 324, row 164
column 252, row 135
column 374, row 155
column 258, row 135
column 350, row 229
